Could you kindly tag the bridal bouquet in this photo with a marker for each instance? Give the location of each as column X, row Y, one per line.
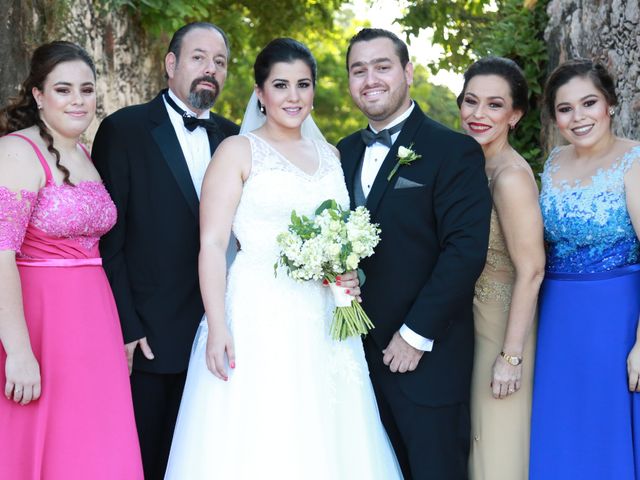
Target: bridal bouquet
column 323, row 247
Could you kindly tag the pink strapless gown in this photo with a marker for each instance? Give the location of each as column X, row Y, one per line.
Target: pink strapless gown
column 82, row 427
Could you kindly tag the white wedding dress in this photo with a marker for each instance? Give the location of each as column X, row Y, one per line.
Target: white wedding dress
column 298, row 405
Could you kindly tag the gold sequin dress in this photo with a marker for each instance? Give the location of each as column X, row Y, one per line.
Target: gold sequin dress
column 499, row 428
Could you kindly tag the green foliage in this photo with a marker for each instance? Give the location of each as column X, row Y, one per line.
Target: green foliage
column 260, row 20
column 251, row 24
column 455, row 27
column 470, row 29
column 437, row 101
column 303, row 226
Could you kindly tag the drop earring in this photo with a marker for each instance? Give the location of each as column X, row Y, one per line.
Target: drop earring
column 612, row 111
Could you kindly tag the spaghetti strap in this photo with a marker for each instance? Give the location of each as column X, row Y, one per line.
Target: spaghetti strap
column 86, row 152
column 43, row 162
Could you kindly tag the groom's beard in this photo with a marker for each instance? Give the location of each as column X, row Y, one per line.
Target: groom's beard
column 203, row 99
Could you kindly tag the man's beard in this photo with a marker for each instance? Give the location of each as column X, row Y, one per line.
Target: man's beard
column 382, row 112
column 203, row 99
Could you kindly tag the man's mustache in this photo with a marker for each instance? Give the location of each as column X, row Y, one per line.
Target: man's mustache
column 207, row 79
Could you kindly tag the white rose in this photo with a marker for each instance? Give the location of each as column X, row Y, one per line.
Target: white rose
column 404, row 152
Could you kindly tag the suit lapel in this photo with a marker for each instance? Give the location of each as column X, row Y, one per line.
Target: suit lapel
column 406, row 137
column 165, row 137
column 215, row 137
column 214, row 141
column 355, row 149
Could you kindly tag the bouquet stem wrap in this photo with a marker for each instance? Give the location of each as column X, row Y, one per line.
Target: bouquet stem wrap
column 349, row 318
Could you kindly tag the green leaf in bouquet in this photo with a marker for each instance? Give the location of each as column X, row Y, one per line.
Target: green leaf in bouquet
column 295, row 220
column 344, row 253
column 327, row 204
column 335, row 214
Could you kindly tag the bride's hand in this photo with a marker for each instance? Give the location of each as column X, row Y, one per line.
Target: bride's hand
column 351, row 283
column 218, row 345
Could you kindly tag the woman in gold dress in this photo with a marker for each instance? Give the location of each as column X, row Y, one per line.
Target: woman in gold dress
column 493, row 100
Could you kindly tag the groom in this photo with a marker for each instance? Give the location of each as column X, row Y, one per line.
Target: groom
column 434, row 214
column 152, row 158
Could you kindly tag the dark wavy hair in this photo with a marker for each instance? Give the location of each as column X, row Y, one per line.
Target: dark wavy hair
column 285, row 50
column 368, row 34
column 579, row 67
column 506, row 69
column 22, row 110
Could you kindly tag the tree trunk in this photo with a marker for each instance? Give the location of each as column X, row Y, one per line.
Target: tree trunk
column 607, row 31
column 128, row 71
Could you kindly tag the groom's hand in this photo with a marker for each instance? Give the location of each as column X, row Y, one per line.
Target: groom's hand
column 401, row 357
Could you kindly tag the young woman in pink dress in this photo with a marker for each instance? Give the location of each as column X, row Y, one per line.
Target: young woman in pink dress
column 66, row 410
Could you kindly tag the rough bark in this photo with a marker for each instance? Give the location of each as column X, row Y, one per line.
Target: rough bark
column 603, row 30
column 128, row 71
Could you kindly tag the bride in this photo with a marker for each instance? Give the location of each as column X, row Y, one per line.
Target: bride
column 269, row 394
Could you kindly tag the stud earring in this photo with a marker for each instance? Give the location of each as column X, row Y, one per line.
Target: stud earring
column 263, row 110
column 612, row 111
column 511, row 126
column 39, row 107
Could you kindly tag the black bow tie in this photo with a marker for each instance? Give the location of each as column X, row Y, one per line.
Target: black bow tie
column 383, row 136
column 191, row 122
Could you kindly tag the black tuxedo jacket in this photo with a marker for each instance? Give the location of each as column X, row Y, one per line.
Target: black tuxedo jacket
column 434, row 216
column 151, row 254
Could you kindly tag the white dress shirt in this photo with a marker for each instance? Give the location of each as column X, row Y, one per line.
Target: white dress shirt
column 373, row 158
column 195, row 144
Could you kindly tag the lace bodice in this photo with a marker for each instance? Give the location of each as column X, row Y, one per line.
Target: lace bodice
column 274, row 188
column 82, row 213
column 495, row 284
column 78, row 214
column 587, row 227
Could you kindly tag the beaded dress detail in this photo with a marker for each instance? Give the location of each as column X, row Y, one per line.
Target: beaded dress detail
column 496, row 281
column 587, row 227
column 298, row 404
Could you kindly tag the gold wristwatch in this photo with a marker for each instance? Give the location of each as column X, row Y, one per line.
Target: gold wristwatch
column 511, row 359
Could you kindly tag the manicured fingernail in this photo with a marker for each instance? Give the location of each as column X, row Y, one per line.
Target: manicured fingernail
column 232, row 364
column 347, row 291
column 325, row 282
column 338, row 283
column 338, row 277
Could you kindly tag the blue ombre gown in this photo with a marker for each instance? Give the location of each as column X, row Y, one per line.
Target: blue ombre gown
column 585, row 422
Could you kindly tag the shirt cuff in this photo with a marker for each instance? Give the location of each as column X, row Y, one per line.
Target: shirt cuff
column 416, row 341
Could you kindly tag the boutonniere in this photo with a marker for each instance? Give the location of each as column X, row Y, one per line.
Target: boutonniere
column 406, row 155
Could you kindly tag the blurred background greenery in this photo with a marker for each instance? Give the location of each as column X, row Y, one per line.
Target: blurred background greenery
column 454, row 32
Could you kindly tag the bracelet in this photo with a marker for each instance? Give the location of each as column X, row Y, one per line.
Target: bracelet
column 511, row 359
